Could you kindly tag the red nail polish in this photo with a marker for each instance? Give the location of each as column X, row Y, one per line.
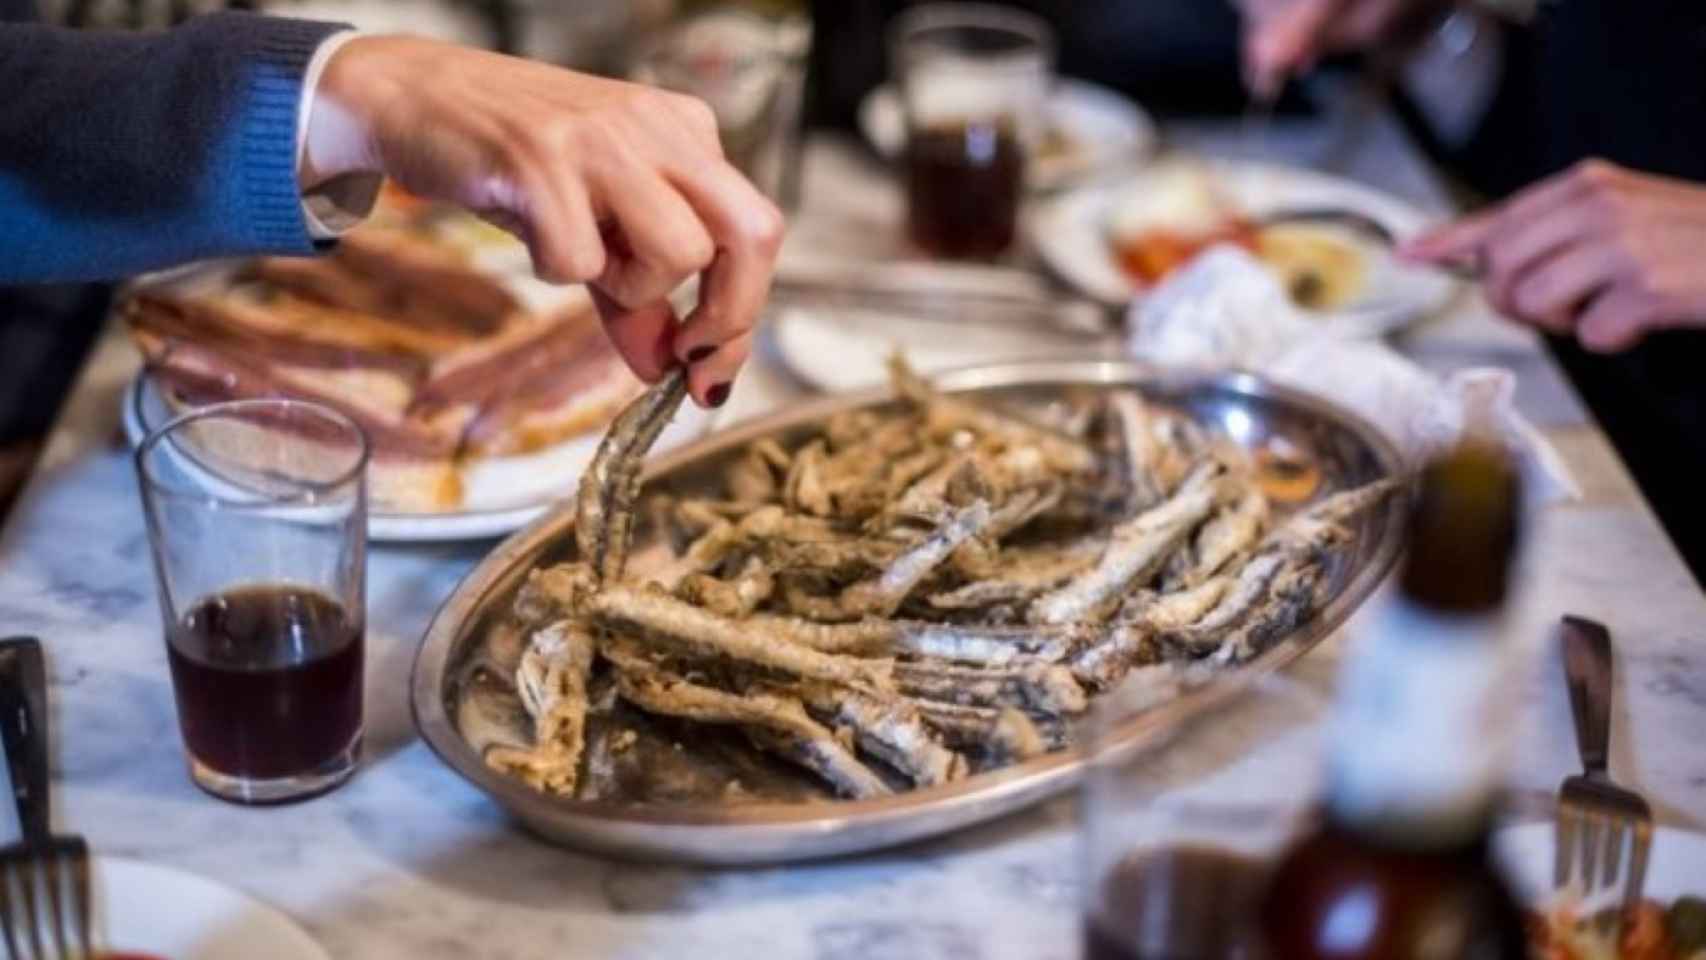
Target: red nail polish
column 717, row 395
column 699, row 353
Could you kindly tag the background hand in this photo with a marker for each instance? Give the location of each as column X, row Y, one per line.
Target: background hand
column 1283, row 37
column 620, row 186
column 1599, row 251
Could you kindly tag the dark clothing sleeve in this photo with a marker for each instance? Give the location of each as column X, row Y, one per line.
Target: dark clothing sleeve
column 123, row 152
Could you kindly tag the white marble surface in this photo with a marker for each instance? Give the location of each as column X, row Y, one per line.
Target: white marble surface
column 408, row 861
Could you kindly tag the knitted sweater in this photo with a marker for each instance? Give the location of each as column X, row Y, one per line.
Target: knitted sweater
column 123, row 152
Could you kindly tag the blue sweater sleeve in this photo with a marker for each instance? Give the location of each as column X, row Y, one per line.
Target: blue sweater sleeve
column 124, row 152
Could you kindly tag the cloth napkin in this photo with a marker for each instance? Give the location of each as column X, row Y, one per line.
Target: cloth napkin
column 1226, row 310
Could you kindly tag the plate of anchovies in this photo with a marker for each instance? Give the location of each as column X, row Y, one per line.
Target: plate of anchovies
column 883, row 616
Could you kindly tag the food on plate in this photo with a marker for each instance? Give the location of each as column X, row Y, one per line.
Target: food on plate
column 441, row 364
column 910, row 594
column 1650, row 931
column 1180, row 211
column 1317, row 267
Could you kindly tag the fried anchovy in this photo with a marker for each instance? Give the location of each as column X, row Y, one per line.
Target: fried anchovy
column 783, row 722
column 1179, row 609
column 552, row 683
column 943, row 414
column 1001, row 734
column 804, row 489
column 1010, row 578
column 1290, row 601
column 1135, row 548
column 609, row 487
column 991, row 645
column 1139, row 453
column 883, row 594
column 1251, row 585
column 1044, row 688
column 837, row 559
column 736, row 597
column 889, row 729
column 1228, row 534
column 699, row 631
column 1126, row 645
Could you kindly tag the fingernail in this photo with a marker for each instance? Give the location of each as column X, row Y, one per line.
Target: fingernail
column 717, row 395
column 699, row 353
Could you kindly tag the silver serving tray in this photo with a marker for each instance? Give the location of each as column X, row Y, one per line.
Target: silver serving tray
column 1244, row 407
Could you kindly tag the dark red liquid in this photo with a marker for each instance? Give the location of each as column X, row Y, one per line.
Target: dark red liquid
column 963, row 184
column 1409, row 904
column 268, row 680
column 1182, row 903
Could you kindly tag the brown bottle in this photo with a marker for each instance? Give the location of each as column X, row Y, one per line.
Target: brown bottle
column 1400, row 869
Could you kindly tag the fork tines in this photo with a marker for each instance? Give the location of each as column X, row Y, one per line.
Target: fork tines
column 44, row 900
column 1596, row 821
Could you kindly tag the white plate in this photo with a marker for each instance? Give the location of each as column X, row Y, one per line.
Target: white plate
column 1070, row 234
column 839, row 349
column 1110, row 129
column 1677, row 867
column 503, row 494
column 174, row 915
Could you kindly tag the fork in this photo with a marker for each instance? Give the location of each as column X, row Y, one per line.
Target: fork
column 1589, row 804
column 44, row 880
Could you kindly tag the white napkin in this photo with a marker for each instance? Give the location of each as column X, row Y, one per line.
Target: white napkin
column 1226, row 310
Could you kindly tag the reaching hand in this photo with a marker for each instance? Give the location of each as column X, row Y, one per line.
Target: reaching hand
column 1599, row 251
column 1282, row 37
column 617, row 185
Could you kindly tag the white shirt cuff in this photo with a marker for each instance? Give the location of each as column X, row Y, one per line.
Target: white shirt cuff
column 335, row 207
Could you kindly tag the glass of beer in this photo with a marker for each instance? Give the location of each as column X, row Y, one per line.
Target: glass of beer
column 257, row 516
column 974, row 81
column 1185, row 803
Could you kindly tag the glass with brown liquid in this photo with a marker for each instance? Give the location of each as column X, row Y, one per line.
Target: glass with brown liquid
column 1179, row 832
column 257, row 515
column 974, row 80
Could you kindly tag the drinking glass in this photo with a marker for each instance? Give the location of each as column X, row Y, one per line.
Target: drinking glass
column 257, row 517
column 974, row 80
column 1181, row 818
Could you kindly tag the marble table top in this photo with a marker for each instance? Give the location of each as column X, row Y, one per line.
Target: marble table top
column 409, row 861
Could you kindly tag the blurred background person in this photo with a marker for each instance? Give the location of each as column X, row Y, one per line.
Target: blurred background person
column 1594, row 139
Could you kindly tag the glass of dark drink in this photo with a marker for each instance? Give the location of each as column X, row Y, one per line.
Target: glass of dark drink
column 1181, row 820
column 974, row 80
column 257, row 515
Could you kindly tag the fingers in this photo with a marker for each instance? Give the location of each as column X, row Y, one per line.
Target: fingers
column 559, row 230
column 1552, row 292
column 711, row 377
column 662, row 239
column 1615, row 321
column 644, row 336
column 747, row 229
column 1464, row 241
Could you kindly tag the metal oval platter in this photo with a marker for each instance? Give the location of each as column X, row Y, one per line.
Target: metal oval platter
column 667, row 798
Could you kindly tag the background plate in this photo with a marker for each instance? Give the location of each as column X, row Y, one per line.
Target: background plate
column 504, row 494
column 174, row 915
column 1069, row 233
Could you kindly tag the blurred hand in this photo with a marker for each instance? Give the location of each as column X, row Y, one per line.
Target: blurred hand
column 1283, row 37
column 617, row 185
column 1599, row 251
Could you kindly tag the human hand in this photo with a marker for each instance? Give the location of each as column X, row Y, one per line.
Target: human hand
column 618, row 185
column 1604, row 253
column 1283, row 37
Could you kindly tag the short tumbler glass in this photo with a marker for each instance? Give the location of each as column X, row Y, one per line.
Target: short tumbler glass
column 1185, row 804
column 974, row 80
column 257, row 515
